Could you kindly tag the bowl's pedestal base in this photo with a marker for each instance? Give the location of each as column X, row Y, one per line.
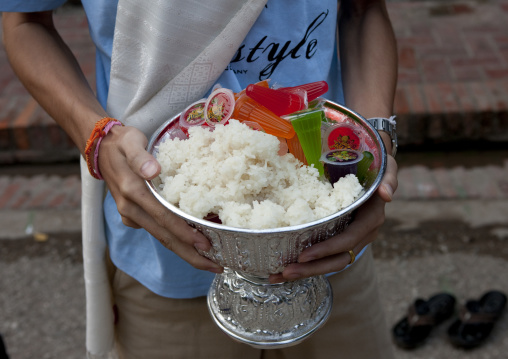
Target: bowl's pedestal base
column 267, row 316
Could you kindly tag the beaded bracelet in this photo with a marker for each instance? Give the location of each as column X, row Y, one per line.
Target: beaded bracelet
column 100, row 130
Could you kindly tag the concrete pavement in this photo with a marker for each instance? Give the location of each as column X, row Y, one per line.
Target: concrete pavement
column 455, row 241
column 47, row 202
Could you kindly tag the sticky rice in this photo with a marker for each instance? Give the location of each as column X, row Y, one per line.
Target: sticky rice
column 236, row 172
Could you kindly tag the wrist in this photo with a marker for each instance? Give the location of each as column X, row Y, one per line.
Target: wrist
column 387, row 140
column 101, row 129
column 387, row 130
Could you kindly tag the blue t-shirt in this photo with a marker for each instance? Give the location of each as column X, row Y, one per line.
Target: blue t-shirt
column 292, row 42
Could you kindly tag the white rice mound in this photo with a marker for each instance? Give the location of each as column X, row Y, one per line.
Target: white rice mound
column 236, row 172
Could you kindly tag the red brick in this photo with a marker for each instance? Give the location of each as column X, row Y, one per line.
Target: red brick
column 24, row 117
column 407, row 57
column 58, row 200
column 461, row 9
column 468, row 73
column 479, row 46
column 416, row 99
column 446, row 93
column 490, row 61
column 465, row 97
column 20, row 199
column 504, row 54
column 4, row 185
column 415, row 40
column 432, row 99
column 401, row 105
column 16, row 88
column 446, row 51
column 482, row 97
column 481, row 29
column 9, row 193
column 496, row 74
column 435, row 69
column 501, row 41
column 406, row 76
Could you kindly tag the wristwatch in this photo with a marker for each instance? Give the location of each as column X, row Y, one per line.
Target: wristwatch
column 389, row 126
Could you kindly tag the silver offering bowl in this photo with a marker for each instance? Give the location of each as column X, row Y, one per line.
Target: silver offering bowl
column 241, row 300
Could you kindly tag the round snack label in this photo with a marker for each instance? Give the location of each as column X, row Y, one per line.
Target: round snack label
column 219, row 107
column 194, row 115
column 341, row 156
column 343, row 138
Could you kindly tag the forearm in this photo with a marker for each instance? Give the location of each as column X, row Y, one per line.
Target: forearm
column 368, row 57
column 50, row 72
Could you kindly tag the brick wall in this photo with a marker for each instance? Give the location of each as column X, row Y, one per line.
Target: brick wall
column 452, row 82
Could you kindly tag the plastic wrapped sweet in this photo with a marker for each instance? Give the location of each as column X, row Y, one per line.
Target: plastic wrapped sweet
column 219, row 107
column 340, row 163
column 279, row 102
column 307, row 125
column 313, row 89
column 342, row 137
column 193, row 115
column 246, row 109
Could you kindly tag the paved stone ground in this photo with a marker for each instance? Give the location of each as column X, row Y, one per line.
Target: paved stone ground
column 42, row 301
column 454, row 240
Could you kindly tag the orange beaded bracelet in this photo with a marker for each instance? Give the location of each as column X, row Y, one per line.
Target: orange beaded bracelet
column 97, row 133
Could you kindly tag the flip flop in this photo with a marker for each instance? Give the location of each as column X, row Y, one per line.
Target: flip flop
column 423, row 316
column 476, row 320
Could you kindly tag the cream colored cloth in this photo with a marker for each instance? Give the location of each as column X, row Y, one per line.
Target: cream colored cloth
column 166, row 55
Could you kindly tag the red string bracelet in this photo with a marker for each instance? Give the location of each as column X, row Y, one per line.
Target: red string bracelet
column 108, row 127
column 97, row 134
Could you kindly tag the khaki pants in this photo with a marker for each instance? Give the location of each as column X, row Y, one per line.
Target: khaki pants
column 153, row 327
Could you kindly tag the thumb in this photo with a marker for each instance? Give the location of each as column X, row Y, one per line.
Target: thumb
column 149, row 168
column 389, row 182
column 140, row 161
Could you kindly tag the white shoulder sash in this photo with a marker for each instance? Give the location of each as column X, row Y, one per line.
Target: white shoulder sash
column 166, row 55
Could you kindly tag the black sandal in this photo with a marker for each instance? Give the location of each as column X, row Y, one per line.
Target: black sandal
column 423, row 316
column 476, row 320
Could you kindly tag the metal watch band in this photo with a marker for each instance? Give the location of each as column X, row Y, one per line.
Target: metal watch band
column 387, row 125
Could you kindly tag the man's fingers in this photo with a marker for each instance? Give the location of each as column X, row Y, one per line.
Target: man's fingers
column 329, row 264
column 186, row 249
column 368, row 217
column 139, row 160
column 129, row 223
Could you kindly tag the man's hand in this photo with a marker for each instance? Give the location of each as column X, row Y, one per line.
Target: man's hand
column 332, row 255
column 125, row 165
